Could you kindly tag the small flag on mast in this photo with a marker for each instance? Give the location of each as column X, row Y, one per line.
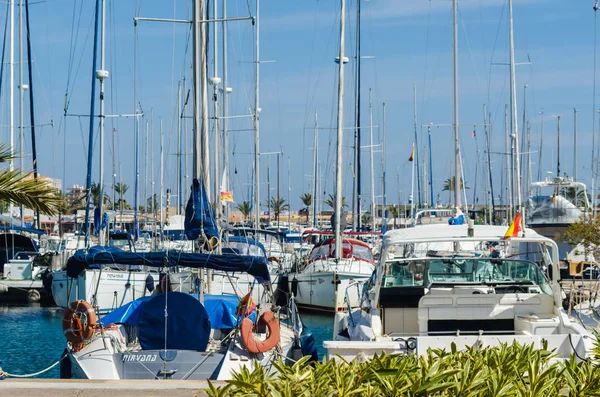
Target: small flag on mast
column 412, row 154
column 227, row 197
column 515, row 228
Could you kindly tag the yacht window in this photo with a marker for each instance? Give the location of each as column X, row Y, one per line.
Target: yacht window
column 363, row 253
column 319, row 252
column 405, row 273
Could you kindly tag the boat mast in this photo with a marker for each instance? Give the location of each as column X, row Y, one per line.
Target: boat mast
column 540, row 154
column 88, row 184
column 558, row 147
column 594, row 166
column 575, row 151
column 357, row 182
column 457, row 184
column 200, row 157
column 179, row 198
column 257, row 123
column 417, row 158
column 340, row 136
column 215, row 83
column 225, row 108
column 11, row 90
column 513, row 102
column 372, row 165
column 22, row 88
column 162, row 177
column 508, row 154
column 31, row 107
column 430, row 168
column 383, row 214
column 315, row 167
column 101, row 75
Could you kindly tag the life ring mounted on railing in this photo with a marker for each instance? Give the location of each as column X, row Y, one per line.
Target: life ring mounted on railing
column 259, row 346
column 79, row 322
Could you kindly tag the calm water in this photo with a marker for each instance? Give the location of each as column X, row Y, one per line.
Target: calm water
column 31, row 337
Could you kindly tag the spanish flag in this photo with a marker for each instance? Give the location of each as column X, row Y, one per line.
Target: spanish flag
column 412, row 154
column 227, row 197
column 515, row 227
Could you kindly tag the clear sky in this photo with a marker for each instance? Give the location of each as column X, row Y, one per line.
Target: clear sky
column 410, row 40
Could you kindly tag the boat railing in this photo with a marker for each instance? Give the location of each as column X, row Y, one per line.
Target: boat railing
column 455, row 333
column 351, row 284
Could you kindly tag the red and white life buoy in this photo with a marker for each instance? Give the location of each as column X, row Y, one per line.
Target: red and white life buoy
column 259, row 346
column 79, row 322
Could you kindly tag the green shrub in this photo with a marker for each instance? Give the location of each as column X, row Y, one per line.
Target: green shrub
column 507, row 371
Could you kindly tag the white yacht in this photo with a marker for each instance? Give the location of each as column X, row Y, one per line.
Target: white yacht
column 556, row 204
column 436, row 285
column 322, row 282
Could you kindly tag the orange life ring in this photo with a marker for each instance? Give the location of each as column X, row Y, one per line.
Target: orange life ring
column 79, row 322
column 258, row 346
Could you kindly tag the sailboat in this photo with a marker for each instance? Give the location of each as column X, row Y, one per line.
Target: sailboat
column 461, row 286
column 336, row 267
column 179, row 335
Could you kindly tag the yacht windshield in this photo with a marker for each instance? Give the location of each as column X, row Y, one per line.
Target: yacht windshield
column 449, row 271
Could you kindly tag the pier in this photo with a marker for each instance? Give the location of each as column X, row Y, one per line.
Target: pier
column 100, row 388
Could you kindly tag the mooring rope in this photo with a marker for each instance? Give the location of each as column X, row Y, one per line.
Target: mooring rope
column 4, row 374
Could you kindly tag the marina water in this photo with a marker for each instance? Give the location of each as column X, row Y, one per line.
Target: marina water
column 32, row 337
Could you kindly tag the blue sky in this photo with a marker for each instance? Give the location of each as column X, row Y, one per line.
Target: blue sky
column 411, row 41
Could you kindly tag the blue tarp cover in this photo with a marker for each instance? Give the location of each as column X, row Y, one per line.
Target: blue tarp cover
column 127, row 314
column 220, row 309
column 184, row 327
column 199, row 215
column 99, row 255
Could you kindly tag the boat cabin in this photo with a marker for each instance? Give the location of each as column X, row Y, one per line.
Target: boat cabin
column 351, row 249
column 449, row 295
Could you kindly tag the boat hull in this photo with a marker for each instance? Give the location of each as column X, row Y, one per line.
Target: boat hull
column 115, row 288
column 327, row 291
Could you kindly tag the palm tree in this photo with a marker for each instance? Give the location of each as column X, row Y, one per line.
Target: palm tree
column 569, row 194
column 278, row 204
column 307, row 200
column 330, row 201
column 22, row 189
column 95, row 190
column 244, row 208
column 449, row 184
column 121, row 189
column 395, row 211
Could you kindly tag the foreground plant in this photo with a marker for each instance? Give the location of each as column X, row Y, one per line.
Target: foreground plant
column 508, row 371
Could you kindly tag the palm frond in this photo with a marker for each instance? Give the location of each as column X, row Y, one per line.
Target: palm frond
column 6, row 153
column 19, row 189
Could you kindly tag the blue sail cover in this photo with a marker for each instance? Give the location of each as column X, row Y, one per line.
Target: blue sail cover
column 256, row 266
column 199, row 216
column 184, row 326
column 220, row 309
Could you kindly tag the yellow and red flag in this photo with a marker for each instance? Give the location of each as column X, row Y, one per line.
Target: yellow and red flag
column 227, row 197
column 515, row 228
column 412, row 154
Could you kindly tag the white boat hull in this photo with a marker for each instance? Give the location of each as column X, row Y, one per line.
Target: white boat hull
column 115, row 288
column 319, row 291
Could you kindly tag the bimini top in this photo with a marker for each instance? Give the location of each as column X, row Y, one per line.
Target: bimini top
column 99, row 255
column 441, row 232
